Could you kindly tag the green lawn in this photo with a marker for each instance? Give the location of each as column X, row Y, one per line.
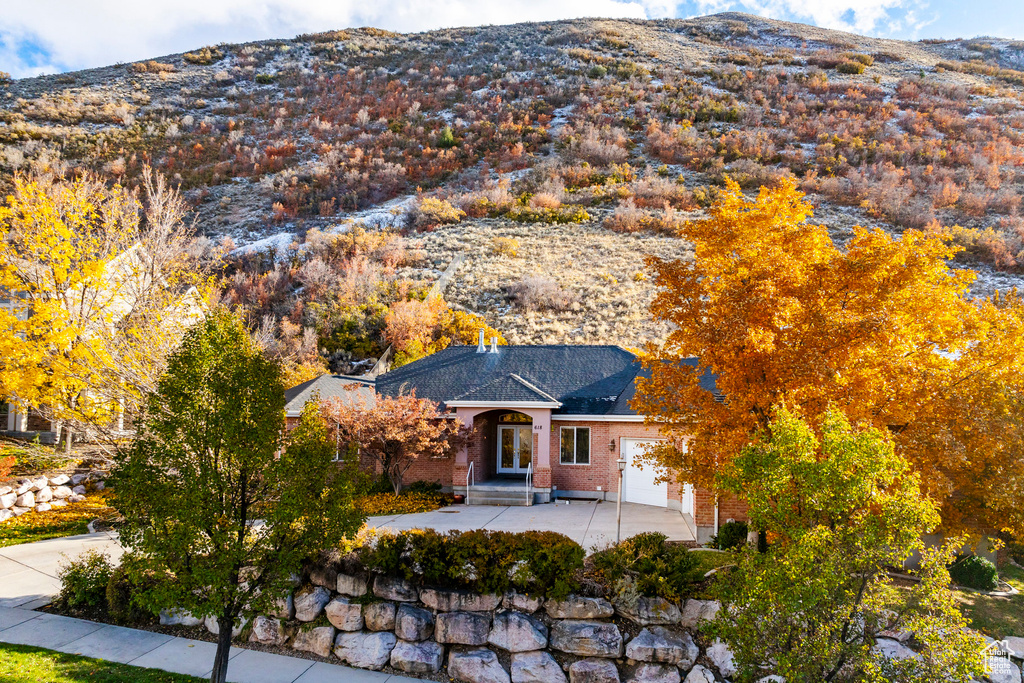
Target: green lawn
column 713, row 559
column 70, row 520
column 22, row 664
column 997, row 617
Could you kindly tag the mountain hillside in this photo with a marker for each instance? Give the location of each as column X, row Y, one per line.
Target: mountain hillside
column 336, row 175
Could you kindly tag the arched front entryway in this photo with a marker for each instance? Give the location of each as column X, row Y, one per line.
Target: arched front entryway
column 509, row 450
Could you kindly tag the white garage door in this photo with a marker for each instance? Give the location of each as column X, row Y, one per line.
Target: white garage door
column 638, row 480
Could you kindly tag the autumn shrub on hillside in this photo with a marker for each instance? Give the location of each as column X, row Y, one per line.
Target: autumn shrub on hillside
column 537, row 293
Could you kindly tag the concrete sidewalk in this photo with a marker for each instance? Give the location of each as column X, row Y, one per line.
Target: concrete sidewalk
column 591, row 524
column 169, row 653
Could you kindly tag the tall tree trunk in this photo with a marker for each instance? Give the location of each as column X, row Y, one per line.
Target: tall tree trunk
column 67, row 441
column 225, row 623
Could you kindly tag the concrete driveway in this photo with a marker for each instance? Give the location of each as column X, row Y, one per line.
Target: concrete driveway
column 591, row 524
column 28, row 572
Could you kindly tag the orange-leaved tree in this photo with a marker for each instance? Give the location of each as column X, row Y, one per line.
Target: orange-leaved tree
column 881, row 329
column 395, row 431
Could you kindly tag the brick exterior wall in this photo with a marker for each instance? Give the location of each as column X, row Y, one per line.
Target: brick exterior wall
column 601, row 472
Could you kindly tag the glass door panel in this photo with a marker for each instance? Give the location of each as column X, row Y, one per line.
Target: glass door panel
column 525, row 447
column 507, row 449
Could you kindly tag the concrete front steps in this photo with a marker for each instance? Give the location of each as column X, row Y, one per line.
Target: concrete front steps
column 504, row 492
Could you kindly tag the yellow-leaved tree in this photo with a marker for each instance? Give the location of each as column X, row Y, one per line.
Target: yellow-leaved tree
column 881, row 329
column 98, row 287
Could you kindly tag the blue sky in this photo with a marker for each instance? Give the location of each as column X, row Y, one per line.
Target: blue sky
column 47, row 36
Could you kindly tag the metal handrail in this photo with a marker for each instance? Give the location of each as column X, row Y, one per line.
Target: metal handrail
column 470, row 480
column 529, row 483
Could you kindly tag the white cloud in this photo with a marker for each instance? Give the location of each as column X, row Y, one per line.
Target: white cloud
column 860, row 16
column 38, row 36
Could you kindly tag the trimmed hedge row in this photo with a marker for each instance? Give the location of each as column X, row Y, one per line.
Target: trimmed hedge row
column 537, row 562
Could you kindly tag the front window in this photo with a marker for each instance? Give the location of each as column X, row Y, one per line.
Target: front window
column 575, row 446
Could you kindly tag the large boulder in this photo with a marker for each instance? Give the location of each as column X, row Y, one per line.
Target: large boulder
column 268, row 631
column 379, row 616
column 19, row 511
column 61, row 492
column 417, row 658
column 317, row 640
column 413, row 623
column 1002, row 670
column 721, row 656
column 518, row 632
column 5, row 515
column 43, row 507
column 25, row 500
column 659, row 645
column 325, row 576
column 393, row 588
column 8, row 499
column 213, row 627
column 893, row 649
column 458, row 601
column 352, row 586
column 587, row 638
column 700, row 674
column 522, row 602
column 283, row 608
column 344, row 615
column 578, row 607
column 178, row 617
column 696, row 611
column 59, row 480
column 593, row 671
column 476, row 666
column 77, row 479
column 650, row 611
column 78, row 490
column 536, row 667
column 462, row 628
column 655, row 673
column 44, row 495
column 365, row 650
column 310, row 602
column 40, row 483
column 4, row 490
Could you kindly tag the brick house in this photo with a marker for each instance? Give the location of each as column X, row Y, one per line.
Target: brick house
column 549, row 422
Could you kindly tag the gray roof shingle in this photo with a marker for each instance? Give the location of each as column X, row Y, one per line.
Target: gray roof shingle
column 586, row 380
column 348, row 389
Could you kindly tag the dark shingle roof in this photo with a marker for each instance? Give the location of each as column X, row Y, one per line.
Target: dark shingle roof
column 586, row 380
column 348, row 389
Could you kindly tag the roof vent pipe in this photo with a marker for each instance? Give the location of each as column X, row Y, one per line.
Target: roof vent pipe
column 480, row 348
column 494, row 344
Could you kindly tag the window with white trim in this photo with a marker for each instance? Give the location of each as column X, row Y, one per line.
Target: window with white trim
column 575, row 446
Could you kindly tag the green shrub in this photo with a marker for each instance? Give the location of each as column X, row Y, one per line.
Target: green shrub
column 649, row 565
column 597, row 71
column 731, row 535
column 972, row 571
column 850, row 67
column 447, row 138
column 539, row 562
column 264, row 79
column 123, row 589
column 83, row 581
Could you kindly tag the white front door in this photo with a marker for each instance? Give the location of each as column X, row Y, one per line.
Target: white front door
column 638, row 479
column 515, row 448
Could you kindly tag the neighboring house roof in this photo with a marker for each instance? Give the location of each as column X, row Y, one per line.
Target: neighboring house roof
column 349, row 389
column 571, row 380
